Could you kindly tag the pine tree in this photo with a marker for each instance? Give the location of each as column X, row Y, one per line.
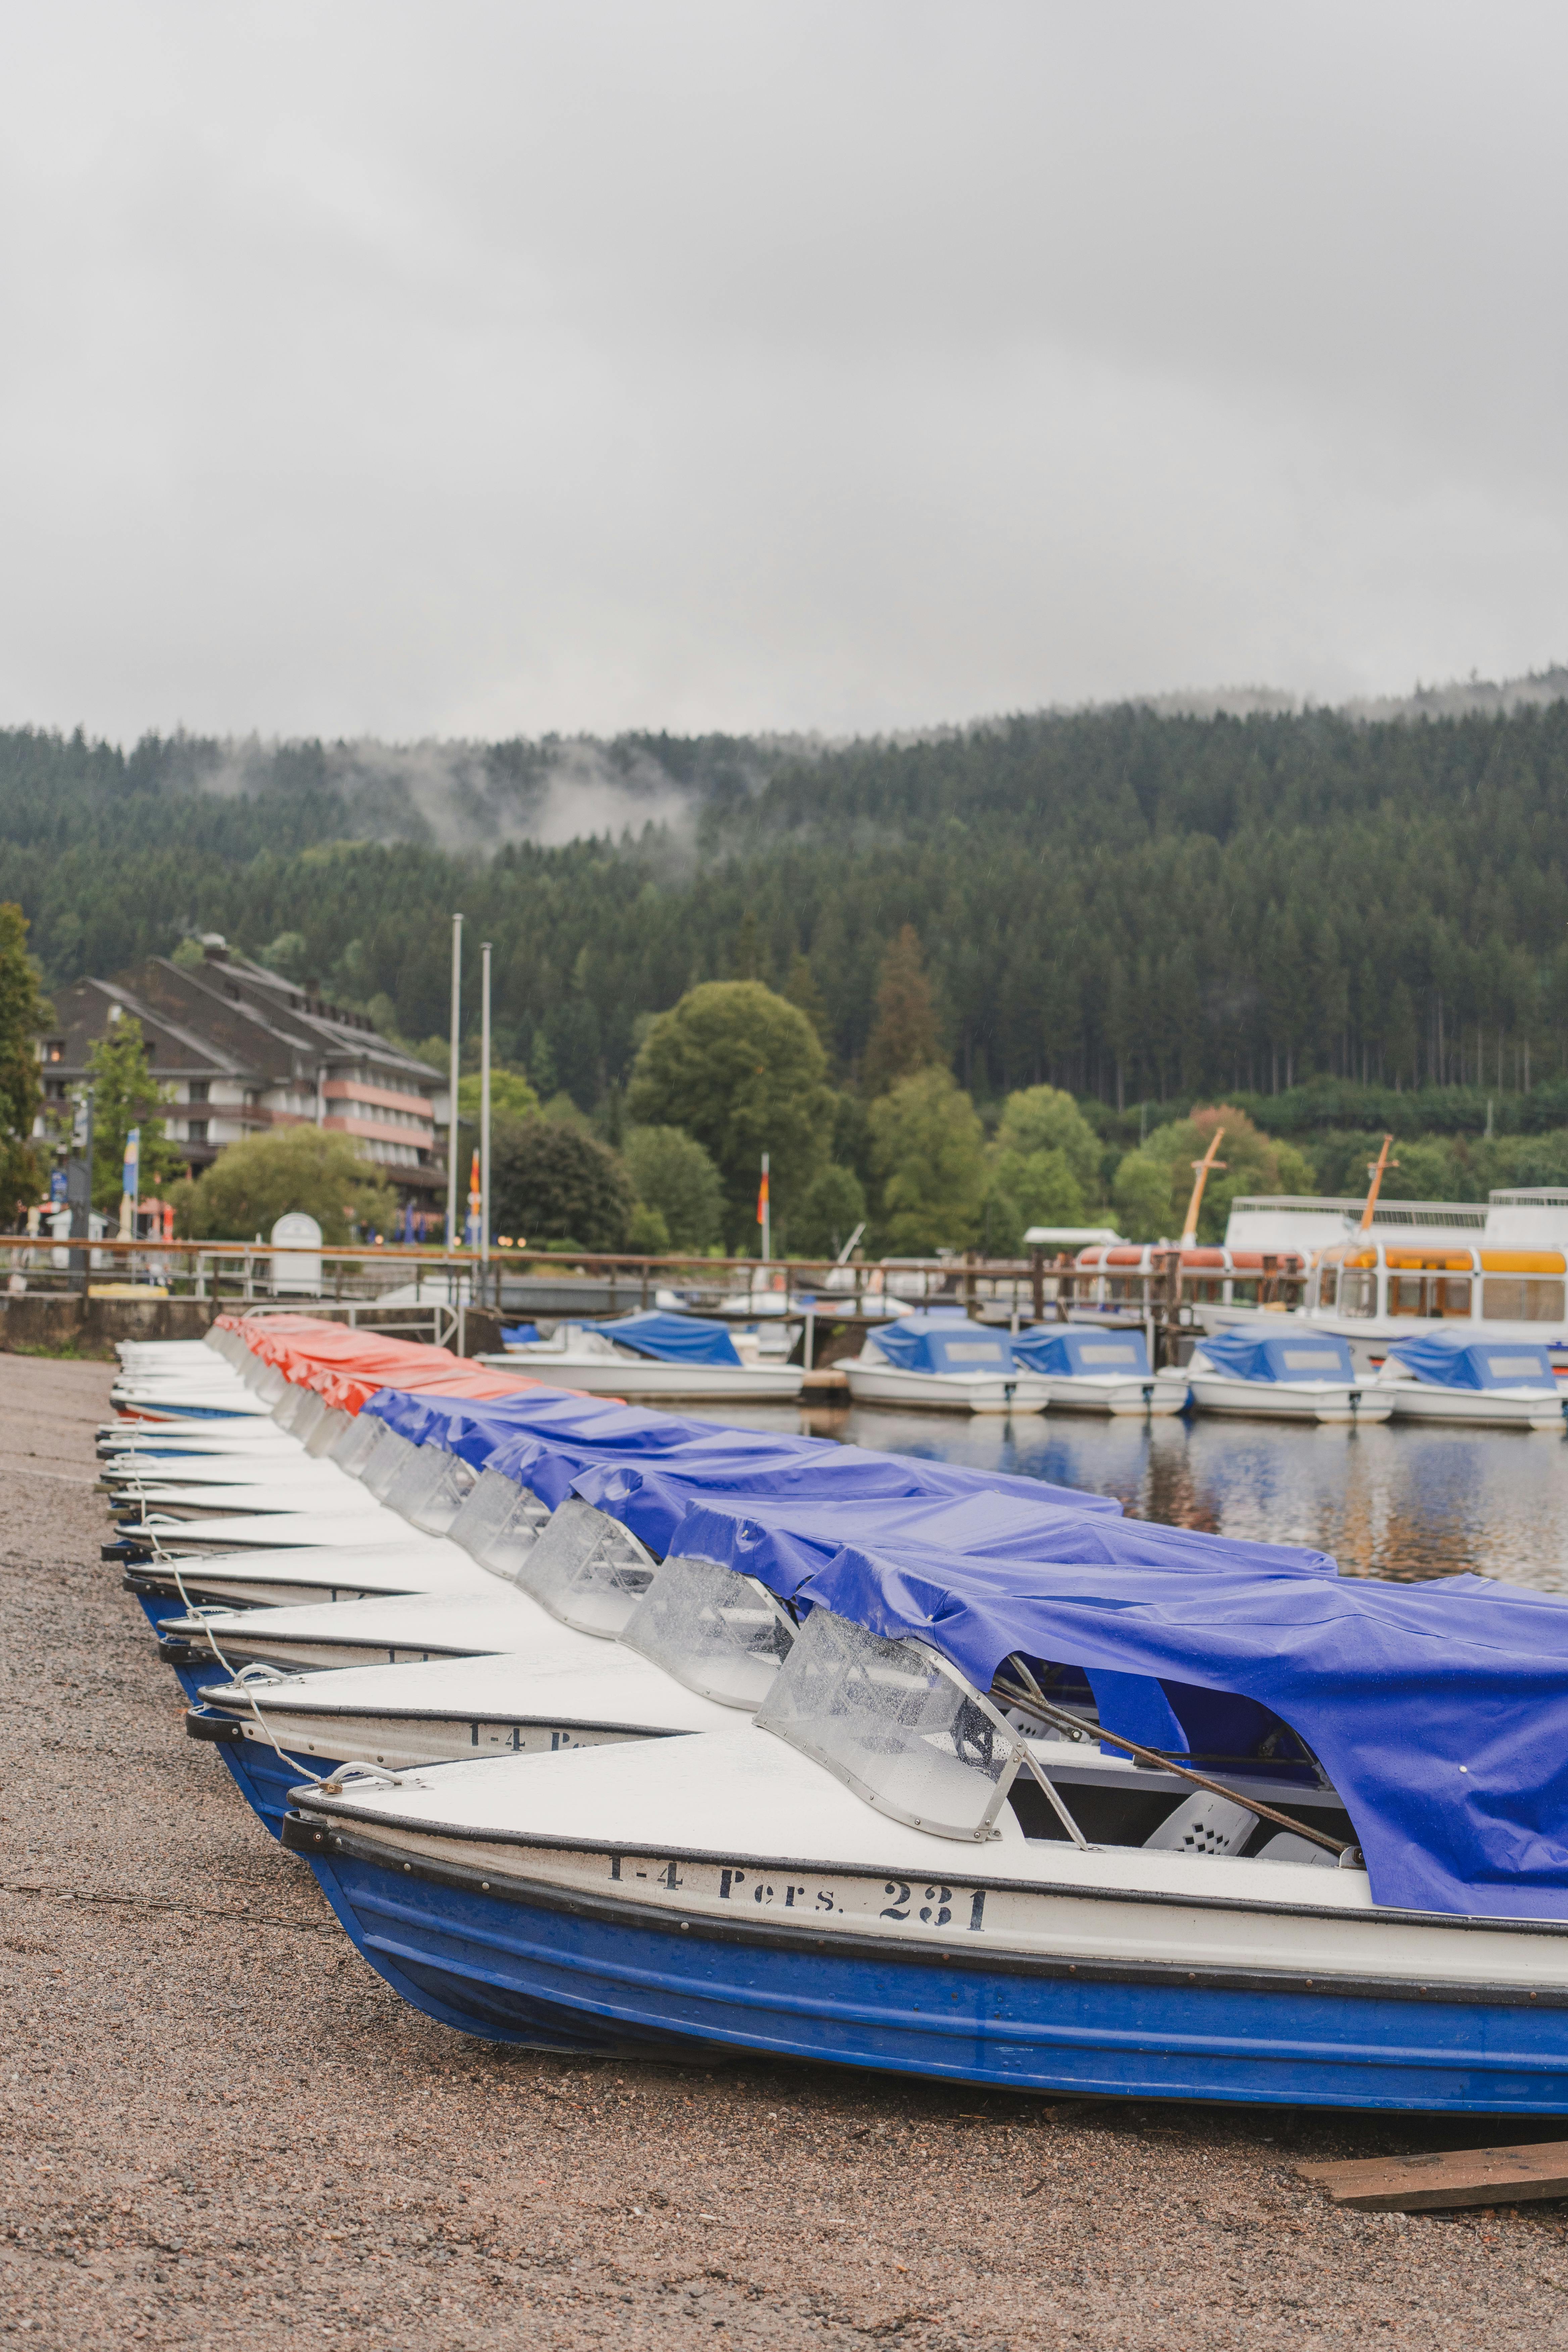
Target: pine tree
column 905, row 1039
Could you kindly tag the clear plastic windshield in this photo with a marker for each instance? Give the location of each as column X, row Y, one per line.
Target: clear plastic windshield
column 718, row 1633
column 500, row 1523
column 897, row 1723
column 352, row 1448
column 289, row 1408
column 438, row 1505
column 587, row 1569
column 383, row 1466
column 331, row 1427
column 309, row 1418
column 416, row 1479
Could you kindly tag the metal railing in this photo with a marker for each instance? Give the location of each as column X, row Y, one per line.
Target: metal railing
column 435, row 1288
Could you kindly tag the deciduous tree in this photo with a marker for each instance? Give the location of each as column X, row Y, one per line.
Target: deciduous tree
column 551, row 1182
column 928, row 1149
column 743, row 1072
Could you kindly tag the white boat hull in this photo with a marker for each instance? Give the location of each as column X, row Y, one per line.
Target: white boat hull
column 1324, row 1401
column 871, row 1383
column 1477, row 1408
column 1369, row 1338
column 1112, row 1392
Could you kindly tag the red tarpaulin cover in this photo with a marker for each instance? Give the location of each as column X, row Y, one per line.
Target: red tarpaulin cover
column 346, row 1367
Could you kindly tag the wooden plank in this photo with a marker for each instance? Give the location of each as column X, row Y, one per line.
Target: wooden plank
column 1448, row 2176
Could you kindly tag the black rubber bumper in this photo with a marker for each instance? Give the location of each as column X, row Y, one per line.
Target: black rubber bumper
column 205, row 1722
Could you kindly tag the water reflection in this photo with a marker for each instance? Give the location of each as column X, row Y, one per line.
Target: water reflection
column 1396, row 1500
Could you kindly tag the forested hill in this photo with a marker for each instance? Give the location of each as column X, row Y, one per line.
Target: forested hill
column 1133, row 904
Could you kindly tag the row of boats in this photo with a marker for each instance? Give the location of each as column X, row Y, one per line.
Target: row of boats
column 1276, row 1369
column 607, row 1730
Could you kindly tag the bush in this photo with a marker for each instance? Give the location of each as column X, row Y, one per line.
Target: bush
column 676, row 1182
column 251, row 1184
column 548, row 1181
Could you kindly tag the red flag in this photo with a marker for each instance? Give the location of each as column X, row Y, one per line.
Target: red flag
column 763, row 1200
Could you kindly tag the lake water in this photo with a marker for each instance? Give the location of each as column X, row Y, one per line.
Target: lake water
column 1394, row 1500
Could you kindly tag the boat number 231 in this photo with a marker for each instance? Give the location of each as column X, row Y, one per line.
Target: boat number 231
column 936, row 1910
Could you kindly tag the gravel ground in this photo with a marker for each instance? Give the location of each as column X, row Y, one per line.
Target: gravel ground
column 220, row 2126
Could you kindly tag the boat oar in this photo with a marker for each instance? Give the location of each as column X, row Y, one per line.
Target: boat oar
column 1034, row 1704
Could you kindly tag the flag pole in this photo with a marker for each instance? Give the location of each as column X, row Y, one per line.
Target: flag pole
column 484, row 1110
column 452, row 1123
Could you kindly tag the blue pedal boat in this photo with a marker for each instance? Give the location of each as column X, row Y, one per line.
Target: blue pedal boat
column 917, row 1859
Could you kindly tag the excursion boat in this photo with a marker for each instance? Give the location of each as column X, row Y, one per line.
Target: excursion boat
column 1491, row 1383
column 943, row 1360
column 656, row 1355
column 1099, row 1371
column 1282, row 1375
column 1286, row 1839
column 1494, row 1272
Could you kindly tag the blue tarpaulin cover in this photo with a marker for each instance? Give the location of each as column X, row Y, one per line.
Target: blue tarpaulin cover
column 1464, row 1363
column 1440, row 1711
column 545, row 1437
column 1301, row 1355
column 1076, row 1350
column 942, row 1343
column 519, row 1334
column 783, row 1540
column 672, row 1338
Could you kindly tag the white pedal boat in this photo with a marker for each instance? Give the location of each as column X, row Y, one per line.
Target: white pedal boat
column 1090, row 1370
column 1282, row 1376
column 652, row 1355
column 445, row 1550
column 793, row 1888
column 1482, row 1384
column 943, row 1361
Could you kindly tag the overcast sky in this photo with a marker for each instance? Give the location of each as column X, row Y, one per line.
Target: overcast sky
column 446, row 369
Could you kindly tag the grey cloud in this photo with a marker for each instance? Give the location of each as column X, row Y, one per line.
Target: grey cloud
column 416, row 373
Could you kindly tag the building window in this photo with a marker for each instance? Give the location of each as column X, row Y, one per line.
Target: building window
column 197, row 1131
column 199, row 1089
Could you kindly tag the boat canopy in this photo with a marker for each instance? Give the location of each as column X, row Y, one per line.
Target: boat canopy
column 545, row 1439
column 672, row 1338
column 783, row 1540
column 1299, row 1355
column 939, row 1342
column 1455, row 1362
column 1080, row 1351
column 1440, row 1711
